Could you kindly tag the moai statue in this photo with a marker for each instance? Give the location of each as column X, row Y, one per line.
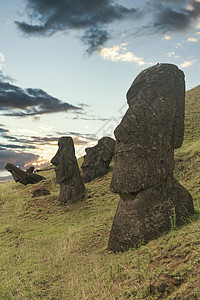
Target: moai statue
column 22, row 176
column 150, row 130
column 67, row 172
column 97, row 159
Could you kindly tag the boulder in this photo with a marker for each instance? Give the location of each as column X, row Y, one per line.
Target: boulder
column 72, row 187
column 97, row 159
column 150, row 130
column 22, row 176
column 40, row 192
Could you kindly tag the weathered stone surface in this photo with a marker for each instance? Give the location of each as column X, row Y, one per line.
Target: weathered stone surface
column 97, row 159
column 67, row 172
column 30, row 170
column 150, row 130
column 22, row 176
column 40, row 192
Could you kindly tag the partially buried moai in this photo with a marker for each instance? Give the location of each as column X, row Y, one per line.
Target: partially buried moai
column 150, row 130
column 67, row 172
column 97, row 159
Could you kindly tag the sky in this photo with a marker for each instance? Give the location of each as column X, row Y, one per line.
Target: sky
column 65, row 67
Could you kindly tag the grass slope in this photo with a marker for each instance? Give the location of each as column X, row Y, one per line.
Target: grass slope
column 48, row 251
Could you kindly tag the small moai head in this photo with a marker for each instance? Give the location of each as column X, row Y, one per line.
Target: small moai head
column 64, row 158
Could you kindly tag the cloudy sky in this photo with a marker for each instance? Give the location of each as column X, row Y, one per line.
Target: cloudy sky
column 65, row 67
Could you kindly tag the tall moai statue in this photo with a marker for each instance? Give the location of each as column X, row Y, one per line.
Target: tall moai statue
column 150, row 130
column 67, row 172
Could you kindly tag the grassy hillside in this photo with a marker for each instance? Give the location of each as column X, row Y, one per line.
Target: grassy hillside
column 48, row 251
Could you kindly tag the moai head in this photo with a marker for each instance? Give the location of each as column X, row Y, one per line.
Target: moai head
column 64, row 159
column 150, row 130
column 97, row 159
column 67, row 172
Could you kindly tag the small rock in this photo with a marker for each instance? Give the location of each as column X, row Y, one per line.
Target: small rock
column 41, row 192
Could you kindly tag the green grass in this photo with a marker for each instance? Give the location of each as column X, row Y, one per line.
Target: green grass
column 49, row 251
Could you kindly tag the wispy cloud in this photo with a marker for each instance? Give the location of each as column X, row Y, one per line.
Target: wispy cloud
column 2, row 59
column 36, row 142
column 17, row 149
column 198, row 25
column 120, row 53
column 86, row 116
column 172, row 54
column 187, row 63
column 87, row 136
column 192, row 40
column 18, row 102
column 3, row 129
column 180, row 44
column 167, row 37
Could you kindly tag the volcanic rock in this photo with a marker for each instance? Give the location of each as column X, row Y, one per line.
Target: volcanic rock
column 150, row 130
column 30, row 170
column 67, row 172
column 22, row 176
column 97, row 159
column 40, row 192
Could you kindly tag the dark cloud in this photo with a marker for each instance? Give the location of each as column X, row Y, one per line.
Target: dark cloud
column 92, row 118
column 28, row 142
column 14, row 146
column 82, row 105
column 176, row 18
column 13, row 138
column 90, row 16
column 88, row 136
column 78, row 141
column 14, row 142
column 95, row 37
column 36, row 142
column 86, row 115
column 169, row 16
column 3, row 130
column 18, row 102
column 19, row 159
column 5, row 77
